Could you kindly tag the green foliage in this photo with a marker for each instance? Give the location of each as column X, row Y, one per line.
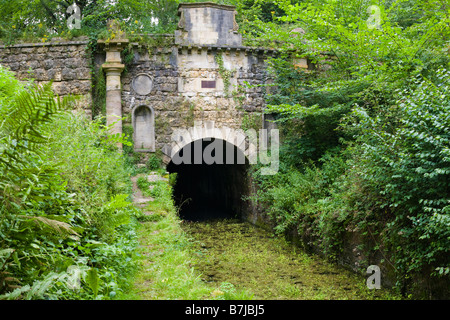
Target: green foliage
column 143, row 183
column 364, row 131
column 229, row 292
column 173, row 179
column 365, row 142
column 92, row 280
column 154, row 162
column 42, row 20
column 224, row 73
column 309, row 210
column 99, row 93
column 168, row 264
column 251, row 120
column 403, row 157
column 60, row 209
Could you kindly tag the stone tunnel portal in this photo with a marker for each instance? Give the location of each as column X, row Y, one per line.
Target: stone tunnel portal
column 205, row 190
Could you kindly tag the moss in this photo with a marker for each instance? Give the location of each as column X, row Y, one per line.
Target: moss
column 251, row 120
column 190, row 115
column 161, row 124
column 99, row 93
column 152, row 40
column 254, row 260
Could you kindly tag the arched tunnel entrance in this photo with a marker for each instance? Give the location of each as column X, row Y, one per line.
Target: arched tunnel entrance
column 211, row 180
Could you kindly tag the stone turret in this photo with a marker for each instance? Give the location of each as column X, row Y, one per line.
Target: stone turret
column 207, row 23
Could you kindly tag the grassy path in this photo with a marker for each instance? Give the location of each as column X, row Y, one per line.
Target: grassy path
column 165, row 263
column 226, row 259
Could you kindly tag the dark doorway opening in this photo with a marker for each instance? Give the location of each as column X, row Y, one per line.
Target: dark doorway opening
column 205, row 190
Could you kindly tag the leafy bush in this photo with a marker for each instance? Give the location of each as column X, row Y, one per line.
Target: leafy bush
column 367, row 97
column 66, row 226
column 154, row 162
column 408, row 166
column 43, row 20
column 143, row 184
column 390, row 185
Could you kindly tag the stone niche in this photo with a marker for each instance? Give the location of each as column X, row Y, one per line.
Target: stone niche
column 207, row 23
column 143, row 119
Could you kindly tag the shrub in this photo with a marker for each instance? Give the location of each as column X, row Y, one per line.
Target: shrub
column 66, row 227
column 407, row 164
column 154, row 162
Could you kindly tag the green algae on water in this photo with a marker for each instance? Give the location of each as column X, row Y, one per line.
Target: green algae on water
column 252, row 259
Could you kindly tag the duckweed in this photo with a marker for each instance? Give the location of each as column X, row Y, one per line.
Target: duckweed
column 255, row 260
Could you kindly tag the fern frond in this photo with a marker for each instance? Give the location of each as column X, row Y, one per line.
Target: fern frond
column 16, row 294
column 24, row 118
column 62, row 228
column 92, row 279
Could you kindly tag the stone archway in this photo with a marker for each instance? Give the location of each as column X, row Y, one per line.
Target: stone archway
column 244, row 141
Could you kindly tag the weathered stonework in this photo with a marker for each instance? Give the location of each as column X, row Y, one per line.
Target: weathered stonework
column 66, row 63
column 207, row 23
column 197, row 79
column 113, row 68
column 172, row 82
column 177, row 96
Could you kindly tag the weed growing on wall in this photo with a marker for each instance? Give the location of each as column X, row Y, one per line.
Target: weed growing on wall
column 224, row 73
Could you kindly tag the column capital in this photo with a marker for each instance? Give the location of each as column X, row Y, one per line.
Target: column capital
column 113, row 68
column 113, row 44
column 117, row 40
column 113, row 48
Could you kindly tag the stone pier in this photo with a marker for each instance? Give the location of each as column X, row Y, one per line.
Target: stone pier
column 113, row 68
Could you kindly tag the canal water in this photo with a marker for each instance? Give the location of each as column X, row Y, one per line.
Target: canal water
column 254, row 260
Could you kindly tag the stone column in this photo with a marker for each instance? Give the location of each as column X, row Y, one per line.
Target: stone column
column 113, row 68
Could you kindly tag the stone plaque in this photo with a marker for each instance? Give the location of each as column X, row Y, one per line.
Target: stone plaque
column 208, row 84
column 142, row 84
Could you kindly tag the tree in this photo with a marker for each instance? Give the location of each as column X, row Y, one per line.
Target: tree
column 384, row 105
column 47, row 18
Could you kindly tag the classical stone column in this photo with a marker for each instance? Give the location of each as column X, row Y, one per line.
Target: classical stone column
column 113, row 68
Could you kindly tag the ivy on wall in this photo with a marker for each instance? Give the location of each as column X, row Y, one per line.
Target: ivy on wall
column 224, row 73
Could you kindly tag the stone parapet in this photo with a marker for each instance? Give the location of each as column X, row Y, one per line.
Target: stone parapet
column 64, row 63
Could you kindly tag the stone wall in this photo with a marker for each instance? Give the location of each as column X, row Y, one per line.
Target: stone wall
column 174, row 74
column 170, row 81
column 197, row 75
column 66, row 63
column 185, row 79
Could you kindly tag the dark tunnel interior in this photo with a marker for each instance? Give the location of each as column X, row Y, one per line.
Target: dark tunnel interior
column 206, row 190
